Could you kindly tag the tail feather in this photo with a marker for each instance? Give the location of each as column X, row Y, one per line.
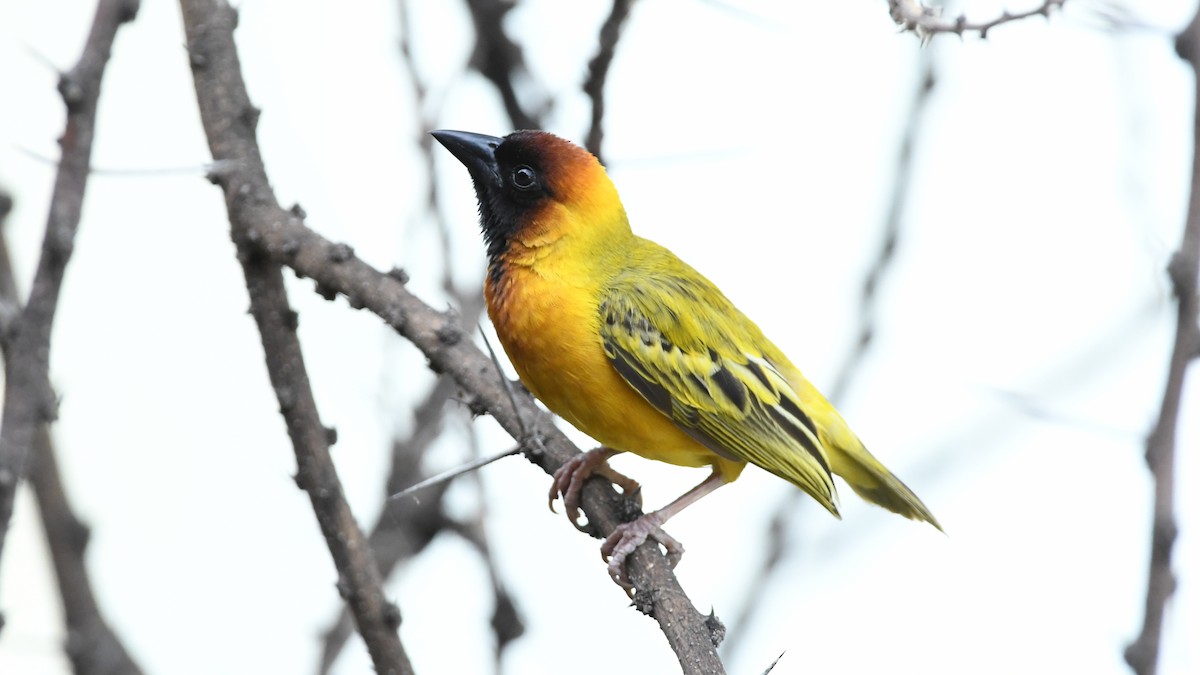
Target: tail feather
column 849, row 458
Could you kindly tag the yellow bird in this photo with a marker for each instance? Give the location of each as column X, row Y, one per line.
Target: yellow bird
column 641, row 352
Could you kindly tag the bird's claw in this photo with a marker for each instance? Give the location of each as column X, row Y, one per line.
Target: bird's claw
column 569, row 478
column 625, row 539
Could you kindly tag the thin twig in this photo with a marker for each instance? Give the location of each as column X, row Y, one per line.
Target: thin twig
column 925, row 21
column 229, row 121
column 598, row 69
column 451, row 474
column 29, row 400
column 1142, row 653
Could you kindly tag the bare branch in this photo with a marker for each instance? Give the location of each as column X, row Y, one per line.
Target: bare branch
column 1142, row 654
column 901, row 188
column 404, row 527
column 925, row 21
column 29, row 401
column 268, row 231
column 229, row 121
column 598, row 68
column 788, row 509
column 499, row 59
column 92, row 646
column 285, row 238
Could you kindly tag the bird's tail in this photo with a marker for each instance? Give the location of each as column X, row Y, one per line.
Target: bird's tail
column 849, row 458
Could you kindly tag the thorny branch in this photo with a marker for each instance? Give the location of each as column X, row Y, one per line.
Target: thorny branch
column 1142, row 654
column 598, row 69
column 405, row 527
column 229, row 121
column 29, row 400
column 92, row 646
column 283, row 237
column 925, row 21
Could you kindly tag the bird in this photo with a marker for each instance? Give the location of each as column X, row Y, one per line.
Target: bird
column 638, row 350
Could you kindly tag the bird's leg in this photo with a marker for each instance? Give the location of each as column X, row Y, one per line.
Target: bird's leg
column 628, row 536
column 569, row 478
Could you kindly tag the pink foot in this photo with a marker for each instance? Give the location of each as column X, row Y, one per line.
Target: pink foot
column 569, row 478
column 628, row 536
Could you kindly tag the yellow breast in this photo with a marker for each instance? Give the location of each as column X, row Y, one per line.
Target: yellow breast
column 547, row 319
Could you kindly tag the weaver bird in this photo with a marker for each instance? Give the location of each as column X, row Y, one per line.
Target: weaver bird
column 641, row 352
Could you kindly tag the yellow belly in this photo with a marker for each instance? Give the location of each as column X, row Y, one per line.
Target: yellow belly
column 551, row 334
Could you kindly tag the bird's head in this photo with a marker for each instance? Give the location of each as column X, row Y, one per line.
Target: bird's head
column 534, row 187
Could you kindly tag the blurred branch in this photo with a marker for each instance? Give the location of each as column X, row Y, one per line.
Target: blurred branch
column 92, row 646
column 499, row 59
column 29, row 400
column 901, row 188
column 787, row 509
column 229, row 122
column 778, row 545
column 1142, row 654
column 925, row 21
column 598, row 68
column 271, row 232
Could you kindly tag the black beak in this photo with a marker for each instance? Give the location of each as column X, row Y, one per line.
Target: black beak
column 477, row 152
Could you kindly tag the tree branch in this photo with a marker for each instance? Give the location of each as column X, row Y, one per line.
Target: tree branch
column 901, row 188
column 788, row 509
column 598, row 68
column 283, row 238
column 499, row 59
column 92, row 646
column 29, row 400
column 1142, row 654
column 913, row 15
column 405, row 526
column 229, row 121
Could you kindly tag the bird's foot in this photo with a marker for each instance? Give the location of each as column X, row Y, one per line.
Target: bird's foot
column 569, row 478
column 628, row 536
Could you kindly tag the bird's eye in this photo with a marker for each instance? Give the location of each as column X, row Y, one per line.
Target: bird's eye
column 524, row 178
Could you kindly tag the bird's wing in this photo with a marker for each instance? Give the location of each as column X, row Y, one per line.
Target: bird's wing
column 682, row 345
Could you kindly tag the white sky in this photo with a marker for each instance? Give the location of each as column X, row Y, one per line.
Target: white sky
column 1048, row 193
